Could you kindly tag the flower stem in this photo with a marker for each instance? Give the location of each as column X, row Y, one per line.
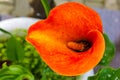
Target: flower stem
column 46, row 6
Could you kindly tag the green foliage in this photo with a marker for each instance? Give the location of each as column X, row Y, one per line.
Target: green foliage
column 15, row 72
column 109, row 51
column 46, row 7
column 106, row 74
column 15, row 51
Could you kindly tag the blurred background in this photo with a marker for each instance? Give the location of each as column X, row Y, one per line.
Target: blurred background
column 109, row 11
column 34, row 7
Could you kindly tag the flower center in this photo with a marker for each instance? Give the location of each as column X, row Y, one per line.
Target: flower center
column 79, row 46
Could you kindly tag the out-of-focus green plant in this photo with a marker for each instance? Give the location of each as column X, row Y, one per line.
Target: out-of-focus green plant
column 15, row 51
column 106, row 73
column 15, row 72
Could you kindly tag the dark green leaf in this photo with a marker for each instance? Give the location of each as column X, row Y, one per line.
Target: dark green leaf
column 15, row 51
column 106, row 74
column 4, row 31
column 109, row 51
column 15, row 72
column 46, row 6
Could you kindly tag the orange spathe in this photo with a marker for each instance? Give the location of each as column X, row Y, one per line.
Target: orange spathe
column 69, row 22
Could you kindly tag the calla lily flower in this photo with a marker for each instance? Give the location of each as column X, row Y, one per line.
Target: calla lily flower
column 70, row 41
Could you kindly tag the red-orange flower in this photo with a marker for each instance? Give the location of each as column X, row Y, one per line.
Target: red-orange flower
column 70, row 40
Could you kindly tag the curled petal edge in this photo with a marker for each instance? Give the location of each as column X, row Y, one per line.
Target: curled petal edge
column 65, row 61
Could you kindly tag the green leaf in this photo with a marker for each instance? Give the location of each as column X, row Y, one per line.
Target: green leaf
column 15, row 72
column 15, row 51
column 106, row 74
column 109, row 51
column 46, row 6
column 4, row 31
